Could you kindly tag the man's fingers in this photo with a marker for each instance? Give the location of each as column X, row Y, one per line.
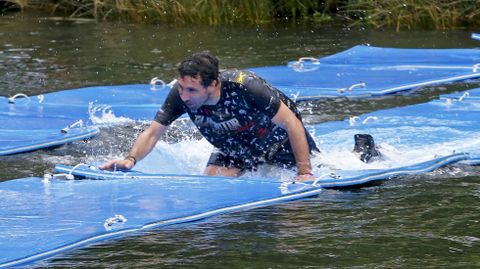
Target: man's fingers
column 117, row 165
column 301, row 178
column 127, row 164
column 107, row 166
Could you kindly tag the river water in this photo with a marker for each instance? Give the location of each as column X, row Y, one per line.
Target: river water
column 423, row 221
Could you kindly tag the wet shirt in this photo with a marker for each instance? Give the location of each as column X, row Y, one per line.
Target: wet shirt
column 240, row 123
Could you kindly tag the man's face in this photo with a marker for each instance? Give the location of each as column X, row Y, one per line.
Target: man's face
column 192, row 92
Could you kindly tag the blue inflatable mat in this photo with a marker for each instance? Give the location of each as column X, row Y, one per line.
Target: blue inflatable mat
column 440, row 127
column 384, row 70
column 361, row 71
column 61, row 215
column 20, row 133
column 336, row 178
column 413, row 140
column 365, row 71
column 41, row 218
column 65, row 214
column 134, row 101
column 73, row 111
column 23, row 140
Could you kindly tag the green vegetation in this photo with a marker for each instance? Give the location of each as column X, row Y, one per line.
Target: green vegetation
column 408, row 14
column 177, row 11
column 400, row 14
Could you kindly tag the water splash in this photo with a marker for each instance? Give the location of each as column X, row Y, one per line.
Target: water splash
column 101, row 114
column 188, row 156
column 337, row 153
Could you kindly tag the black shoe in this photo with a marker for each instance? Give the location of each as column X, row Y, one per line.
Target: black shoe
column 365, row 147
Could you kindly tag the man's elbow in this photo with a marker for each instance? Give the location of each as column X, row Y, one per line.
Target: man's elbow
column 295, row 127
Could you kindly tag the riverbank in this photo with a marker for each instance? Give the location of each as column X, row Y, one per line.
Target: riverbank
column 396, row 14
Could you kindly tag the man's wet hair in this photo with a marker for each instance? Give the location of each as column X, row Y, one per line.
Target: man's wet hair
column 201, row 64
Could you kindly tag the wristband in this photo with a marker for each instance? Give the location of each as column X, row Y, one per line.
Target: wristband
column 130, row 157
column 305, row 174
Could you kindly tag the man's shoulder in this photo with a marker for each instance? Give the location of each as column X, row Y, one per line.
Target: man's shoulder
column 228, row 75
column 237, row 76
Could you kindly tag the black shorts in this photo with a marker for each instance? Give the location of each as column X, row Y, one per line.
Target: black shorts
column 280, row 154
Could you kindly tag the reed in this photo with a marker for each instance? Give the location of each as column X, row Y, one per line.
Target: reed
column 171, row 11
column 186, row 11
column 400, row 14
column 409, row 14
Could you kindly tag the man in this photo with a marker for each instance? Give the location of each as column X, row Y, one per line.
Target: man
column 248, row 121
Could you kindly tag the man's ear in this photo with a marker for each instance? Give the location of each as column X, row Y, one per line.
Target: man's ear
column 214, row 83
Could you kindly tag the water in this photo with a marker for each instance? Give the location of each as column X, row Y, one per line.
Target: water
column 426, row 221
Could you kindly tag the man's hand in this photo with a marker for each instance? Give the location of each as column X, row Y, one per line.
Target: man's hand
column 143, row 145
column 305, row 177
column 121, row 165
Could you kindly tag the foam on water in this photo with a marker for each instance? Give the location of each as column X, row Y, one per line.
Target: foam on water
column 395, row 140
column 190, row 157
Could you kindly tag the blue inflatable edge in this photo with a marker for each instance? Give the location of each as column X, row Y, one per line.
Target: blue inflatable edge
column 389, row 91
column 367, row 177
column 419, row 168
column 471, row 161
column 91, row 171
column 412, row 87
column 308, row 192
column 86, row 133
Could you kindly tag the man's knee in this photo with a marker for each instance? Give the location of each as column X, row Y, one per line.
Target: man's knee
column 215, row 170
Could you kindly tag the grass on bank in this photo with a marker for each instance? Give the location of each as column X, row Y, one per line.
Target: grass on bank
column 400, row 14
column 181, row 11
column 408, row 14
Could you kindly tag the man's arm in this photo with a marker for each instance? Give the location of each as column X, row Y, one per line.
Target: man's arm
column 143, row 145
column 286, row 119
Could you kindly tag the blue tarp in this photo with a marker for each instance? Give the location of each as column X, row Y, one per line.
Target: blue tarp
column 440, row 127
column 31, row 127
column 134, row 101
column 40, row 218
column 23, row 140
column 51, row 113
column 383, row 70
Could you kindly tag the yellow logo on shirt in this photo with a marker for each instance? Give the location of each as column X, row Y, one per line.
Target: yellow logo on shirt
column 241, row 77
